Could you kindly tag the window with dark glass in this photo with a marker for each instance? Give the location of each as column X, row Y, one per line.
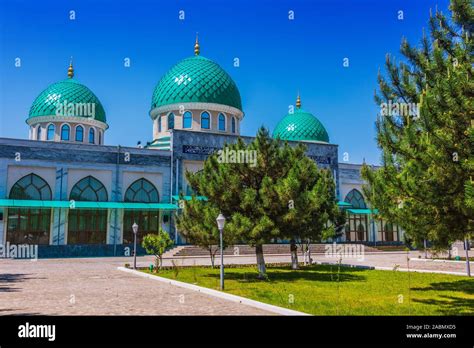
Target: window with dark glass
column 159, row 124
column 233, row 124
column 187, row 120
column 171, row 121
column 87, row 226
column 65, row 130
column 141, row 191
column 50, row 132
column 205, row 120
column 38, row 133
column 79, row 133
column 29, row 225
column 221, row 122
column 91, row 136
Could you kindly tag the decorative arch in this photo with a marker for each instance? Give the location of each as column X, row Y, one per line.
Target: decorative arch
column 89, row 189
column 356, row 199
column 50, row 132
column 171, row 121
column 91, row 135
column 87, row 226
column 187, row 120
column 32, row 187
column 142, row 191
column 29, row 225
column 222, row 122
column 65, row 132
column 79, row 133
column 205, row 120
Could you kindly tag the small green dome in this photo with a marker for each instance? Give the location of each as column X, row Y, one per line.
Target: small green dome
column 199, row 80
column 69, row 91
column 301, row 125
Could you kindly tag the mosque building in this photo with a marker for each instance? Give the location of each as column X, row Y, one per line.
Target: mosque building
column 66, row 191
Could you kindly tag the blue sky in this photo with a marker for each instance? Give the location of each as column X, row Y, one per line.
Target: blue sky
column 277, row 56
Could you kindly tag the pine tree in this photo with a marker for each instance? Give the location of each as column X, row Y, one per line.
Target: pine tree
column 255, row 197
column 425, row 182
column 309, row 193
column 197, row 222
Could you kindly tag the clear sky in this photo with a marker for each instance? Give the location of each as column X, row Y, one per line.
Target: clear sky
column 278, row 57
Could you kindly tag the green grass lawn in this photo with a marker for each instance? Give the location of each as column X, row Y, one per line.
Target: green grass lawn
column 317, row 290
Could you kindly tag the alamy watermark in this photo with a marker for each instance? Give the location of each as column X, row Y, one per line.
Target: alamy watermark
column 400, row 109
column 237, row 156
column 346, row 251
column 19, row 251
column 75, row 109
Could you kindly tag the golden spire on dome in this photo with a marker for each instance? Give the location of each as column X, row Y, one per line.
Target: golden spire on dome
column 298, row 101
column 196, row 46
column 70, row 70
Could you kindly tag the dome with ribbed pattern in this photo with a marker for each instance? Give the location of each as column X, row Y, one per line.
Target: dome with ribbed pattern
column 69, row 91
column 301, row 125
column 199, row 80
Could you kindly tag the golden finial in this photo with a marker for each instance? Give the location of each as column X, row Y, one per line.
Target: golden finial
column 298, row 101
column 70, row 70
column 196, row 46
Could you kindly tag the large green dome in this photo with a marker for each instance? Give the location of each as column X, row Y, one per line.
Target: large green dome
column 69, row 91
column 301, row 125
column 199, row 80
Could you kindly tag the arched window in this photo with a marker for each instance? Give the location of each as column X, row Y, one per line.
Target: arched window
column 91, row 136
column 355, row 198
column 29, row 225
column 171, row 121
column 205, row 120
column 100, row 137
column 38, row 133
column 79, row 133
column 233, row 124
column 50, row 132
column 159, row 124
column 65, row 130
column 187, row 120
column 140, row 191
column 87, row 226
column 221, row 122
column 357, row 222
column 89, row 189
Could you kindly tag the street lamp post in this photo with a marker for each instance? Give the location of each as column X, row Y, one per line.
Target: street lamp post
column 135, row 230
column 220, row 225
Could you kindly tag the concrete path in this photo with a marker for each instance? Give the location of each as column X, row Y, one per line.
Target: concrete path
column 95, row 287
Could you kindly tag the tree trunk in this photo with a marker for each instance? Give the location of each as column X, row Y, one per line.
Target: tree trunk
column 212, row 257
column 468, row 266
column 309, row 256
column 262, row 271
column 294, row 254
column 157, row 263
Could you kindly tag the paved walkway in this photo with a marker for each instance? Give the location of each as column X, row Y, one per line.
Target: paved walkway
column 95, row 287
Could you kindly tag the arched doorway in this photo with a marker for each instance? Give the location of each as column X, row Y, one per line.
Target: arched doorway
column 356, row 228
column 88, row 226
column 29, row 225
column 140, row 191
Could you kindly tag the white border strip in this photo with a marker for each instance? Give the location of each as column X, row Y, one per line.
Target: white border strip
column 420, row 270
column 219, row 294
column 439, row 260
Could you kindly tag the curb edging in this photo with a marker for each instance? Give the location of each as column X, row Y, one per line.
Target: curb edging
column 218, row 294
